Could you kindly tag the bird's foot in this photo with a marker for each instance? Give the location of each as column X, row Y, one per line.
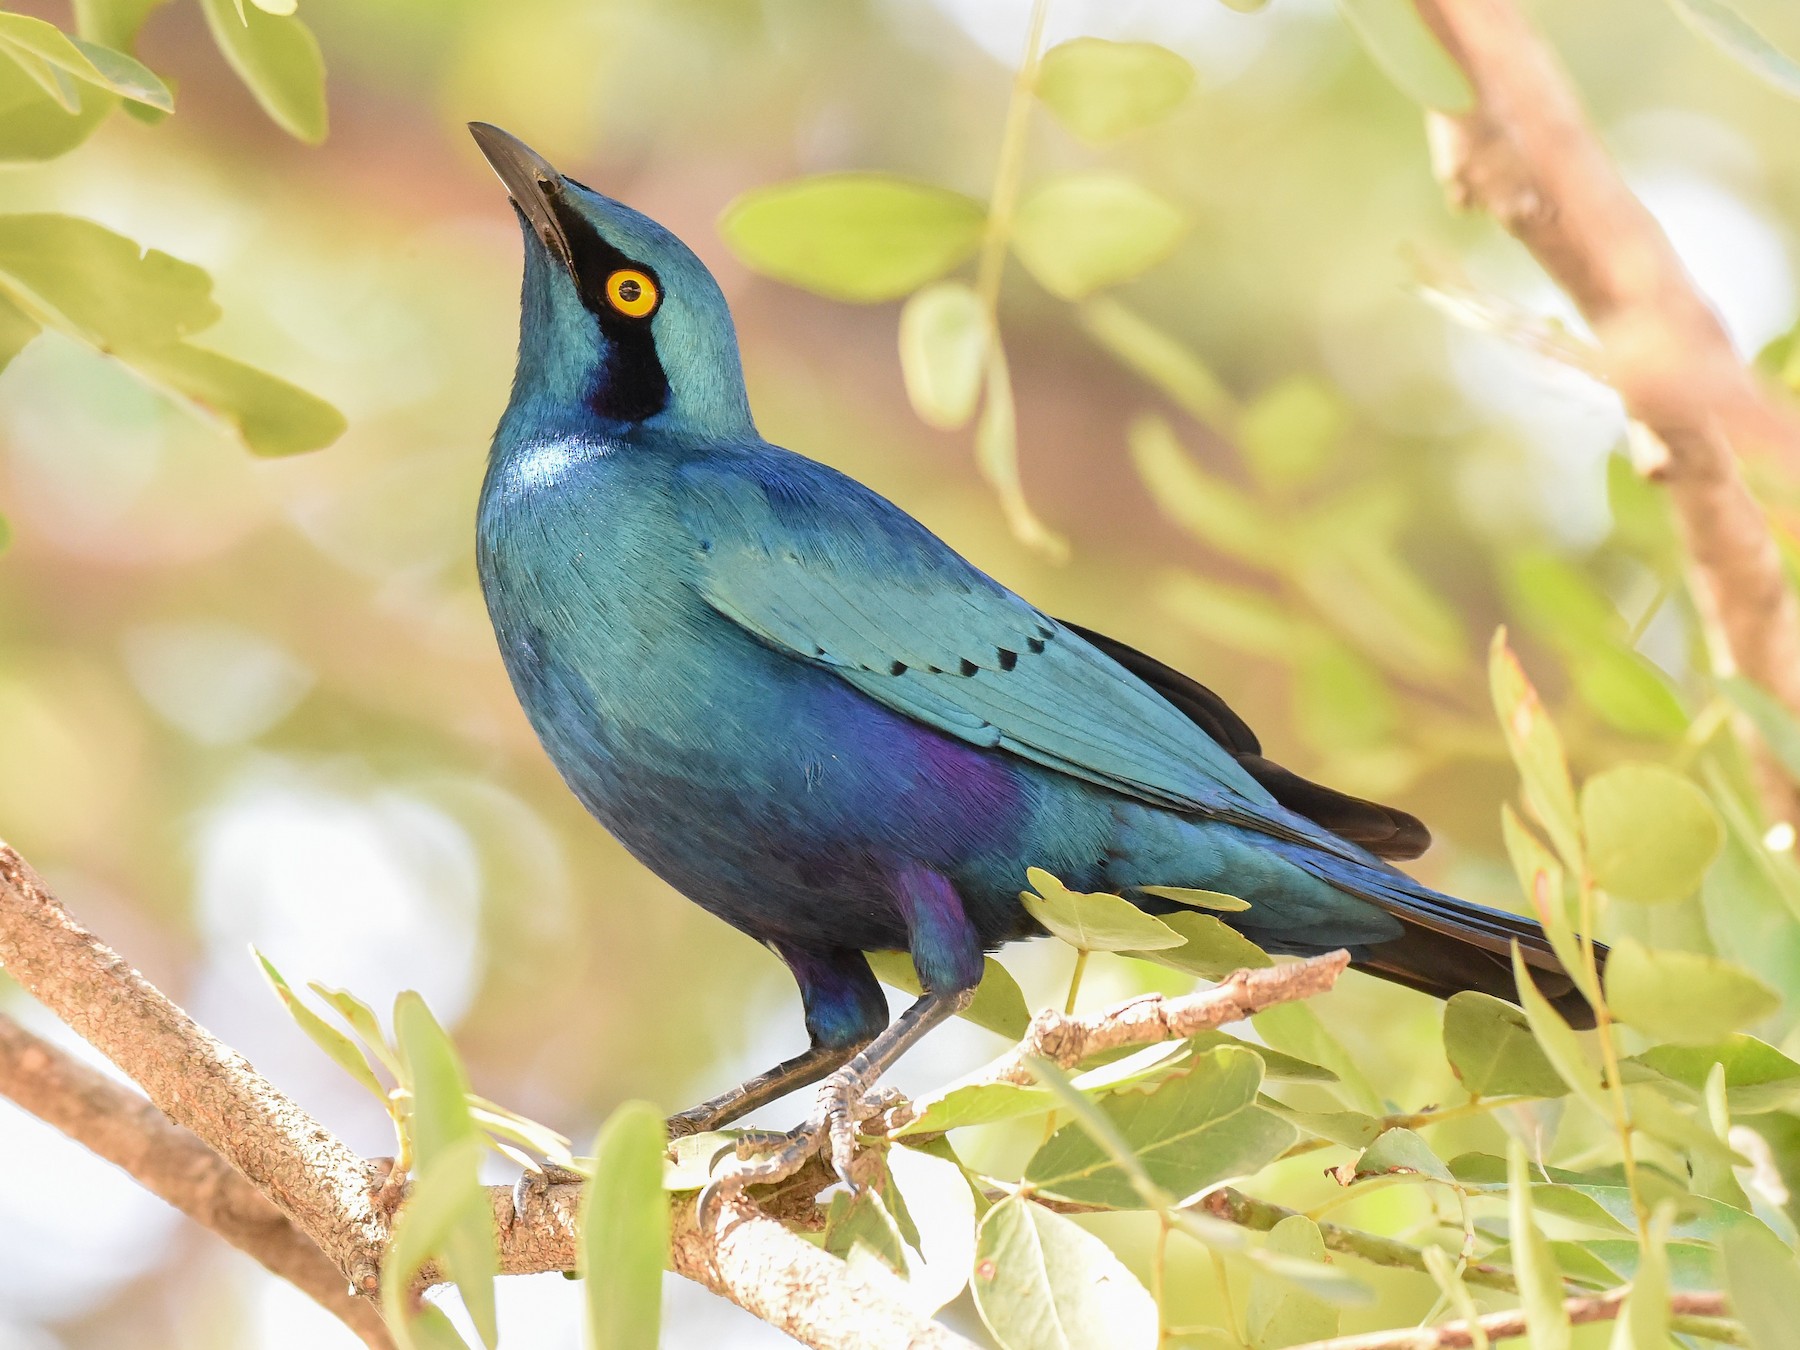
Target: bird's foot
column 846, row 1099
column 534, row 1185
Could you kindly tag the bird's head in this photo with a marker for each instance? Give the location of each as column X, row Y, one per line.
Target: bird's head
column 622, row 326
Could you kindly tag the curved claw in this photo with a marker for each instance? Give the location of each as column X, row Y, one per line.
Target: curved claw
column 535, row 1183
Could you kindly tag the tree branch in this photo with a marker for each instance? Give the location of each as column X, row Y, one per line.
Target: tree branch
column 1499, row 1326
column 175, row 1165
column 1526, row 154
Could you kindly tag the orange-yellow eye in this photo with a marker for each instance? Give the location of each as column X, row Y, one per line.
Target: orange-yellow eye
column 632, row 292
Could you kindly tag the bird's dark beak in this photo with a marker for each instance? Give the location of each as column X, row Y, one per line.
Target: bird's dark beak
column 531, row 182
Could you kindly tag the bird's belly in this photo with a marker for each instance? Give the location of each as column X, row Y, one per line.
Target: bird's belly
column 768, row 790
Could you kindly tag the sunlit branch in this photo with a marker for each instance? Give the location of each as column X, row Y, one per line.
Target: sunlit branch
column 1499, row 1326
column 1526, row 154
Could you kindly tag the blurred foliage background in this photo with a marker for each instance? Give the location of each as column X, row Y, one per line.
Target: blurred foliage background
column 248, row 699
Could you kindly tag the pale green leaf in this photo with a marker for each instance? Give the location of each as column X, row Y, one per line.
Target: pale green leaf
column 342, row 1050
column 1100, row 89
column 17, row 328
column 1777, row 726
column 1281, row 1313
column 277, row 6
column 1186, row 895
column 1651, row 834
column 1492, row 1051
column 1534, row 1264
column 87, row 61
column 1557, row 1039
column 999, row 1006
column 270, row 416
column 1541, row 878
column 277, row 58
column 362, row 1020
column 1291, row 430
column 1763, row 1280
column 975, row 1104
column 440, row 1198
column 1341, row 701
column 1408, row 53
column 1161, row 359
column 113, row 23
column 1077, row 233
column 1683, row 997
column 997, row 456
column 935, row 1194
column 944, row 336
column 1187, row 1131
column 1244, row 620
column 1536, row 750
column 1298, row 1029
column 1094, row 922
column 1402, row 1152
column 1043, row 1282
column 1643, row 1322
column 34, row 125
column 625, row 1231
column 854, row 236
column 1722, row 24
column 1213, row 510
column 1758, row 1077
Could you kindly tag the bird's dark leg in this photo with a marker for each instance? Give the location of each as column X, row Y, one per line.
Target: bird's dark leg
column 845, row 1008
column 946, row 954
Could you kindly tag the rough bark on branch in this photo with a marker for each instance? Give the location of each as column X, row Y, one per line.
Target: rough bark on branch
column 1499, row 1326
column 1526, row 154
column 175, row 1165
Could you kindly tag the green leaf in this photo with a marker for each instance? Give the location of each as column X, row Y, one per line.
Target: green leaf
column 140, row 306
column 1763, row 1280
column 88, row 62
column 1217, row 513
column 1651, row 834
column 1777, row 726
column 362, row 1020
column 1408, row 53
column 1626, row 691
column 1601, row 1200
column 1164, row 361
column 944, row 336
column 1556, row 1038
column 521, row 1130
column 17, row 328
column 1683, row 997
column 1402, row 1152
column 1298, row 1029
column 1291, row 430
column 1536, row 749
column 440, row 1125
column 1341, row 702
column 1758, row 1077
column 1188, row 1131
column 1541, row 878
column 34, row 125
column 1721, row 24
column 997, row 456
column 1044, row 1283
column 625, row 1231
column 1094, row 922
column 270, row 416
column 99, row 286
column 1185, row 895
column 1534, row 1264
column 1492, row 1051
column 1277, row 1065
column 343, row 1051
column 976, row 1104
column 438, row 1201
column 277, row 58
column 1208, row 947
column 1078, row 233
column 854, row 236
column 1244, row 620
column 1643, row 1322
column 1100, row 89
column 862, row 1220
column 998, row 1006
column 1280, row 1313
column 1377, row 602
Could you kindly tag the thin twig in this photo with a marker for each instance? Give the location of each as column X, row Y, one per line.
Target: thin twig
column 175, row 1165
column 1526, row 154
column 1499, row 1326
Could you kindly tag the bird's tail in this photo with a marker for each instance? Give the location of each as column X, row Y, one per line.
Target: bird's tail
column 1449, row 945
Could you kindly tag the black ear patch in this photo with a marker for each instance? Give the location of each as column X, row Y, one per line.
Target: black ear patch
column 631, row 385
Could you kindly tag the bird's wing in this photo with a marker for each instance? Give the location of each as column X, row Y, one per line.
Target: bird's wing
column 820, row 568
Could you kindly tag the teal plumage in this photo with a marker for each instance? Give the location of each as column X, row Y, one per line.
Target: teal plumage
column 798, row 705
